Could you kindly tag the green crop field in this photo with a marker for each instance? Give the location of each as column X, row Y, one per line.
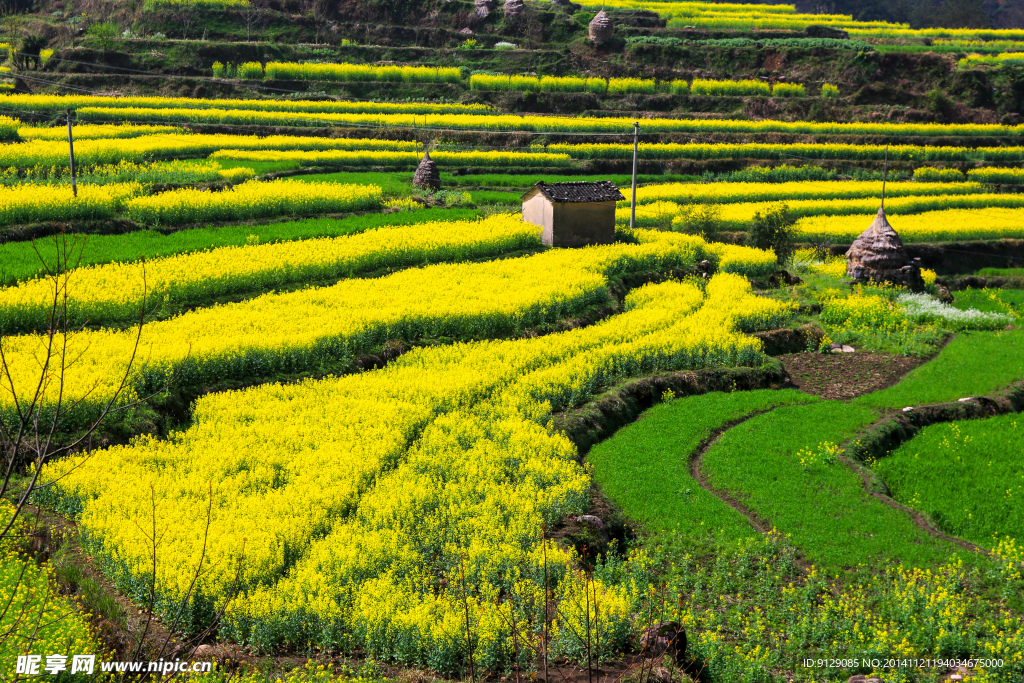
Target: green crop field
column 982, row 457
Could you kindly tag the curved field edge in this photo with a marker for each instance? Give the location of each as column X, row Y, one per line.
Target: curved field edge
column 982, row 457
column 972, row 364
column 869, row 450
column 753, row 585
column 782, row 466
column 646, row 467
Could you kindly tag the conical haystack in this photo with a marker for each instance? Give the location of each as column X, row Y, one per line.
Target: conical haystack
column 427, row 176
column 878, row 255
column 485, row 7
column 878, row 249
column 601, row 28
column 514, row 7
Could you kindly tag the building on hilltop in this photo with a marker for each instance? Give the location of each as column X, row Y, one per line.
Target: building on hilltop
column 573, row 214
column 878, row 256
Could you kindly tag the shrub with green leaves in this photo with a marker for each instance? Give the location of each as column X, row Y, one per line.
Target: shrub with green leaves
column 773, row 229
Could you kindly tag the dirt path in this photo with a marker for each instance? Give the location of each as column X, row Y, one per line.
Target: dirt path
column 922, row 520
column 697, row 457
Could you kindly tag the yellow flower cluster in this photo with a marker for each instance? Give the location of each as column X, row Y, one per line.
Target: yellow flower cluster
column 309, row 328
column 1010, row 555
column 710, row 88
column 149, row 147
column 723, row 193
column 64, row 102
column 985, row 222
column 28, row 203
column 1005, row 176
column 756, row 150
column 535, row 123
column 384, row 158
column 205, row 4
column 362, row 72
column 968, row 33
column 711, row 15
column 739, row 216
column 253, row 199
column 112, row 293
column 598, row 86
column 865, row 313
column 733, row 258
column 92, row 132
column 160, row 172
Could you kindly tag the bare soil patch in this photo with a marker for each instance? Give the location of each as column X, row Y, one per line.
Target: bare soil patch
column 846, row 375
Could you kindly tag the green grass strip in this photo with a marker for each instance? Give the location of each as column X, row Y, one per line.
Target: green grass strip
column 967, row 475
column 1001, row 272
column 820, row 504
column 973, row 364
column 525, row 181
column 645, row 467
column 19, row 261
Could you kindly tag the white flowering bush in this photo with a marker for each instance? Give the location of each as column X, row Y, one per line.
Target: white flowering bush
column 924, row 309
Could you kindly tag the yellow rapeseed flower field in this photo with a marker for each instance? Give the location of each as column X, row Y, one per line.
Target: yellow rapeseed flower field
column 982, row 223
column 165, row 146
column 533, row 123
column 63, row 102
column 309, row 328
column 323, row 479
column 253, row 199
column 726, row 193
column 387, row 158
column 29, row 203
column 111, row 294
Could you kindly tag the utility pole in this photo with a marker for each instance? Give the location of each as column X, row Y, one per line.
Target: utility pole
column 71, row 155
column 632, row 199
column 885, row 174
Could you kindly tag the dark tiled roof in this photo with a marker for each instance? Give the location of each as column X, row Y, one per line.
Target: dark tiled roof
column 580, row 191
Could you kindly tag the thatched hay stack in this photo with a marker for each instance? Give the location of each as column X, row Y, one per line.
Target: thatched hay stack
column 485, row 7
column 878, row 248
column 878, row 255
column 601, row 28
column 427, row 175
column 514, row 7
